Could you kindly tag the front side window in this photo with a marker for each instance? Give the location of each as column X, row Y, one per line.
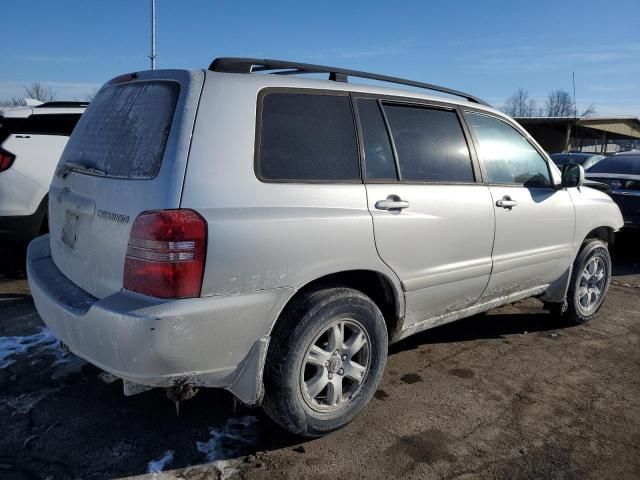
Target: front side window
column 430, row 144
column 508, row 157
column 307, row 137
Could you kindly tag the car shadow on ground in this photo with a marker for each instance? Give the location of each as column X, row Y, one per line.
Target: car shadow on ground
column 478, row 327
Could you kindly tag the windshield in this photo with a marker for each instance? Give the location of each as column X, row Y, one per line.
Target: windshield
column 124, row 131
column 624, row 164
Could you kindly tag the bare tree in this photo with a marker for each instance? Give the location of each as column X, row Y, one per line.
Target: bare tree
column 559, row 104
column 590, row 110
column 520, row 105
column 39, row 92
column 92, row 94
column 13, row 102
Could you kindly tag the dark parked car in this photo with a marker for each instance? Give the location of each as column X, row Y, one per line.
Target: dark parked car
column 622, row 173
column 587, row 160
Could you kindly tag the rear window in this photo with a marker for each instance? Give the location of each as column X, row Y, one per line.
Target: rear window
column 307, row 137
column 49, row 124
column 125, row 129
column 8, row 126
column 624, row 164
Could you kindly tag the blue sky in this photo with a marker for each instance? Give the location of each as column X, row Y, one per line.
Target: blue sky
column 489, row 48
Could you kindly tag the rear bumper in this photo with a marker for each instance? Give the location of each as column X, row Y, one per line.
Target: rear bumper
column 212, row 341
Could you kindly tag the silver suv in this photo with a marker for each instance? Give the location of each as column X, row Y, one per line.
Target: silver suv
column 247, row 228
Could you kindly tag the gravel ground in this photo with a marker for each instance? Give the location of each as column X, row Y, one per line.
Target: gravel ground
column 510, row 394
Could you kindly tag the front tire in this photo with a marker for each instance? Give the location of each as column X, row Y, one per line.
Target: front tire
column 325, row 361
column 589, row 284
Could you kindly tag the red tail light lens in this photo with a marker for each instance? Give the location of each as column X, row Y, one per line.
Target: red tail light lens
column 6, row 159
column 166, row 254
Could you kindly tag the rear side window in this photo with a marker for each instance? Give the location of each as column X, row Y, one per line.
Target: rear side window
column 508, row 156
column 125, row 129
column 430, row 144
column 378, row 156
column 49, row 124
column 307, row 137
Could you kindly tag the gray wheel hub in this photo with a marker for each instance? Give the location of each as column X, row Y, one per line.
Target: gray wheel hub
column 335, row 365
column 593, row 281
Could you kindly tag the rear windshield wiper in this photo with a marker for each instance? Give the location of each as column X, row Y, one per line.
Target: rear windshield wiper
column 67, row 167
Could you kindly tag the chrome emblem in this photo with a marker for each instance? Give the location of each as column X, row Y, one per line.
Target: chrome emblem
column 114, row 217
column 616, row 184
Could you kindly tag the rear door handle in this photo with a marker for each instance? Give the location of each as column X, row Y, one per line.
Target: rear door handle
column 506, row 202
column 392, row 202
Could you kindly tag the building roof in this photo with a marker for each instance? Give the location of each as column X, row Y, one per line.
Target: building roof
column 616, row 125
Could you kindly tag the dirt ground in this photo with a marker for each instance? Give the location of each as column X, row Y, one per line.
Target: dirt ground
column 511, row 394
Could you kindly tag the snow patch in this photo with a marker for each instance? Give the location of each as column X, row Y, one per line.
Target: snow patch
column 41, row 343
column 24, row 403
column 156, row 466
column 229, row 440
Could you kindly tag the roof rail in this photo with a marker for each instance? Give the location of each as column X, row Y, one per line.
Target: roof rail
column 63, row 104
column 281, row 67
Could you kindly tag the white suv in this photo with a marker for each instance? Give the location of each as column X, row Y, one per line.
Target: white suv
column 31, row 142
column 249, row 229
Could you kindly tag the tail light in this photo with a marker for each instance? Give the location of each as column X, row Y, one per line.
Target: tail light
column 6, row 159
column 166, row 254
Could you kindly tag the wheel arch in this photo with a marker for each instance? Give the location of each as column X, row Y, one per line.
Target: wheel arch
column 557, row 291
column 604, row 233
column 382, row 290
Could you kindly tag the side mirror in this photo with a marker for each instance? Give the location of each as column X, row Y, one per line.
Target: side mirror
column 572, row 175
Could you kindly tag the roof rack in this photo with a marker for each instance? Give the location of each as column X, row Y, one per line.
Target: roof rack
column 63, row 104
column 281, row 67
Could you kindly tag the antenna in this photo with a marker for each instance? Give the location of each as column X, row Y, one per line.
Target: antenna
column 153, row 55
column 575, row 104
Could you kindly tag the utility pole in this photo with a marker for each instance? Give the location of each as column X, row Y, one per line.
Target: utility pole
column 153, row 55
column 575, row 103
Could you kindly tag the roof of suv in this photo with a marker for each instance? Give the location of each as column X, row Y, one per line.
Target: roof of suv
column 278, row 73
column 43, row 109
column 260, row 80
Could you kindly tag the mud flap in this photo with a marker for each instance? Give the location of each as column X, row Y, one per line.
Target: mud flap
column 248, row 386
column 557, row 291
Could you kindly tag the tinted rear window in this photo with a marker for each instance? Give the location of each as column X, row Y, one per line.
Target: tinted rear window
column 8, row 126
column 307, row 137
column 430, row 144
column 49, row 124
column 625, row 164
column 125, row 129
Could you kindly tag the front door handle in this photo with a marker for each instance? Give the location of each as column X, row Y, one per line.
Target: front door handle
column 392, row 202
column 506, row 202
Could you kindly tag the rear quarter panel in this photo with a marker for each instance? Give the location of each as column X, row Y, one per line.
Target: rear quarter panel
column 267, row 235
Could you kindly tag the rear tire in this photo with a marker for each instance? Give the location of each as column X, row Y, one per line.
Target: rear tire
column 325, row 361
column 589, row 284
